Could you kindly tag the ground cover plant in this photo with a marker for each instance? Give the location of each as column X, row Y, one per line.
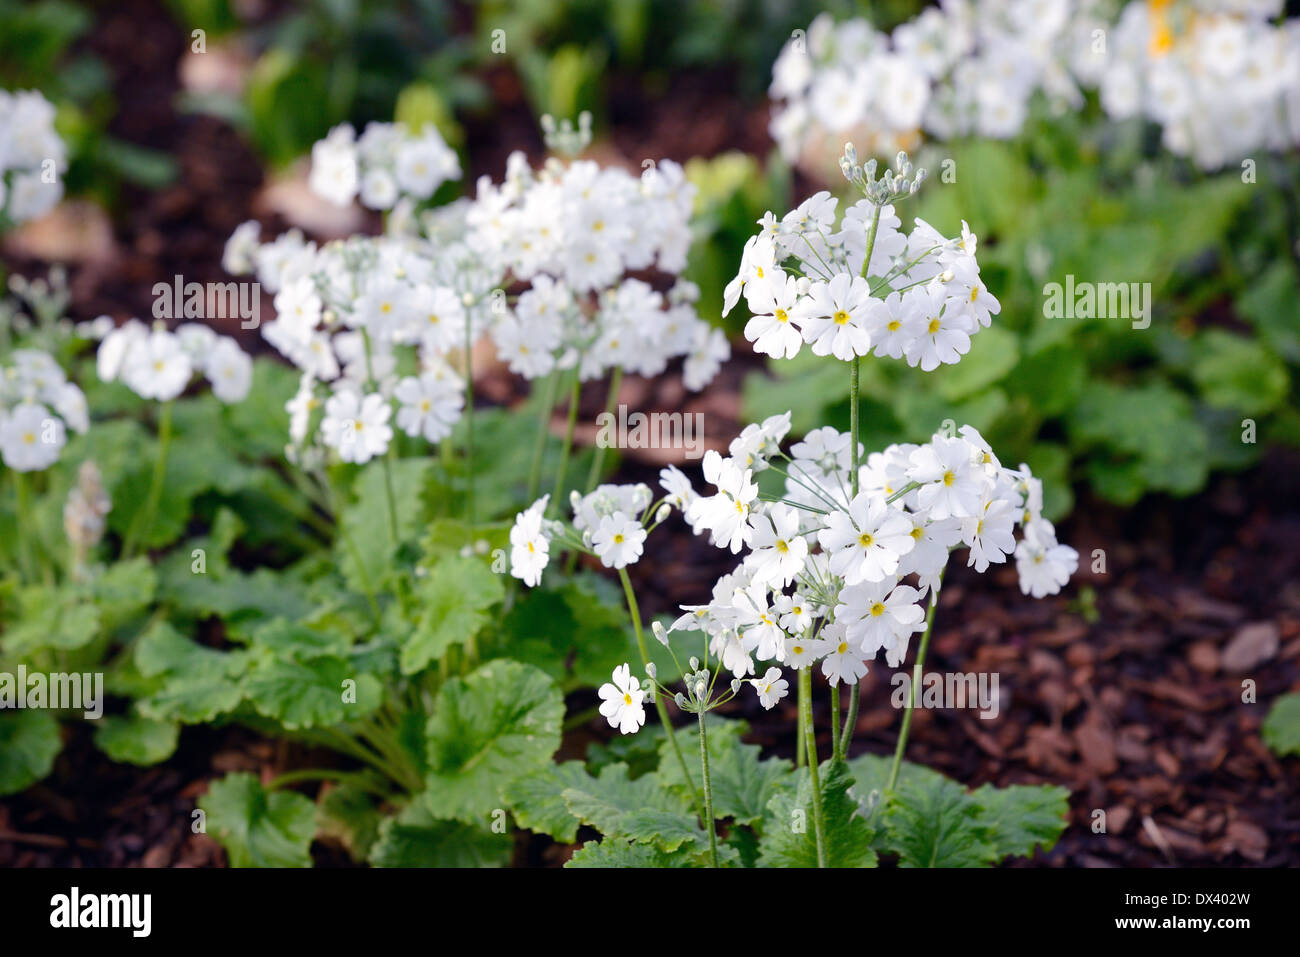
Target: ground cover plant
column 479, row 437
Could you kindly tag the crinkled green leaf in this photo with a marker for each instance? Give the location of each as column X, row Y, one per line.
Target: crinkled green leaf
column 294, row 641
column 569, row 632
column 455, row 597
column 29, row 743
column 1022, row 817
column 617, row 852
column 348, row 814
column 495, row 725
column 259, row 828
column 365, row 547
column 310, row 694
column 641, row 810
column 1234, row 372
column 415, row 838
column 61, row 618
column 537, row 799
column 935, row 823
column 789, row 837
column 742, row 782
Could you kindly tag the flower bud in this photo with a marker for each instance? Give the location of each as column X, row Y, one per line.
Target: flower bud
column 651, row 670
column 661, row 515
column 660, row 632
column 694, row 663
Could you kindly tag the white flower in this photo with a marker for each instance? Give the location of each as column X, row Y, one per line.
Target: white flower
column 334, row 166
column 778, row 548
column 950, row 486
column 30, row 438
column 877, row 614
column 867, row 543
column 621, row 702
column 431, row 404
column 230, row 370
column 771, row 687
column 1043, row 565
column 726, row 514
column 357, row 426
column 156, row 367
column 833, row 317
column 840, row 661
column 530, row 549
column 772, row 329
column 617, row 540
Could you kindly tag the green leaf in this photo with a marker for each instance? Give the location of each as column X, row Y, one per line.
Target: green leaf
column 935, row 823
column 742, row 782
column 310, row 694
column 569, row 632
column 348, row 814
column 199, row 683
column 134, row 739
column 1233, row 372
column 259, row 828
column 51, row 617
column 29, row 743
column 1022, row 817
column 1281, row 729
column 616, row 852
column 293, row 641
column 789, row 838
column 993, row 353
column 640, row 810
column 495, row 725
column 455, row 596
column 366, row 549
column 415, row 838
column 537, row 799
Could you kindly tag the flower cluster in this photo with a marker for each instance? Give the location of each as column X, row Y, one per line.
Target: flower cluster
column 807, row 279
column 834, row 577
column 573, row 232
column 156, row 363
column 345, row 313
column 388, row 165
column 611, row 523
column 37, row 407
column 963, row 67
column 1219, row 77
column 32, row 157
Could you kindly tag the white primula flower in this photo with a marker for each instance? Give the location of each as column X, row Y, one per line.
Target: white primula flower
column 778, row 548
column 430, row 405
column 867, row 543
column 617, row 540
column 30, row 438
column 771, row 687
column 530, row 549
column 357, row 426
column 230, row 370
column 1043, row 565
column 621, row 702
column 876, row 614
column 156, row 367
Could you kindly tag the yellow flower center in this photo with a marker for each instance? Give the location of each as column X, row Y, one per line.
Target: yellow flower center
column 934, row 326
column 866, row 540
column 841, row 317
column 627, row 698
column 782, row 316
column 782, row 547
column 877, row 610
column 842, row 648
column 949, row 478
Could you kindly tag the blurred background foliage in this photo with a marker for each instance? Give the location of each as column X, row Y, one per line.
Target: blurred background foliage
column 1125, row 411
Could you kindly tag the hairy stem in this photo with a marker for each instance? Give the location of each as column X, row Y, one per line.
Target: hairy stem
column 708, row 793
column 911, row 699
column 805, row 707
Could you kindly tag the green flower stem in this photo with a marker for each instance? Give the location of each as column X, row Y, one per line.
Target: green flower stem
column 708, row 793
column 22, row 515
column 567, row 448
column 660, row 707
column 360, row 779
column 835, row 722
column 598, row 458
column 799, row 739
column 469, row 424
column 911, row 699
column 543, row 430
column 144, row 518
column 392, row 498
column 810, row 735
column 855, row 431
